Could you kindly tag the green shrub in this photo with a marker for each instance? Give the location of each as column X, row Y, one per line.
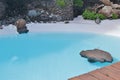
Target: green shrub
column 92, row 15
column 78, row 3
column 114, row 16
column 101, row 16
column 89, row 15
column 61, row 3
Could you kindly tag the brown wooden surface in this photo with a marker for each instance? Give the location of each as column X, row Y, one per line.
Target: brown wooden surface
column 111, row 72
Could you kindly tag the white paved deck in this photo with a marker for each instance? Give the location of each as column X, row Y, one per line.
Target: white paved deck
column 107, row 27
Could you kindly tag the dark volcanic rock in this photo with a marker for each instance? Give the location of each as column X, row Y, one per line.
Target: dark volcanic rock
column 22, row 30
column 97, row 55
column 1, row 27
column 35, row 10
column 2, row 9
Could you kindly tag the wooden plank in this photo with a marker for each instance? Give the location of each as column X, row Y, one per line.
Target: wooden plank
column 111, row 72
column 118, row 63
column 99, row 75
column 83, row 77
column 117, row 66
column 113, row 68
column 87, row 77
column 75, row 78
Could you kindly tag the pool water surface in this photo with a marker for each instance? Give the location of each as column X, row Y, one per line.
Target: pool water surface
column 51, row 56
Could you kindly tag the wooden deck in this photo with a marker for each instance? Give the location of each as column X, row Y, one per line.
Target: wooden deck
column 111, row 72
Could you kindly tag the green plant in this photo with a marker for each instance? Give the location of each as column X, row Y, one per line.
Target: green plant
column 89, row 15
column 78, row 3
column 101, row 16
column 61, row 3
column 92, row 15
column 114, row 16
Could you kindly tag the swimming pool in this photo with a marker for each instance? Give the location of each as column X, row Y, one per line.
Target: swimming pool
column 51, row 56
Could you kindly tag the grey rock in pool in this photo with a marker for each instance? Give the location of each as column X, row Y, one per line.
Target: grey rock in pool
column 97, row 55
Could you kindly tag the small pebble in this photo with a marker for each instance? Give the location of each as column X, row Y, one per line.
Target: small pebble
column 66, row 22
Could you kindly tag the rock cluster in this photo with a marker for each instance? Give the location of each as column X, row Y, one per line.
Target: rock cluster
column 108, row 8
column 45, row 10
column 42, row 15
column 37, row 10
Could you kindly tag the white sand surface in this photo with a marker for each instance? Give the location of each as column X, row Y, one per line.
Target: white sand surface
column 106, row 27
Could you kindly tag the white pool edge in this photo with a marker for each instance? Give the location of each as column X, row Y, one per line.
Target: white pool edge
column 107, row 27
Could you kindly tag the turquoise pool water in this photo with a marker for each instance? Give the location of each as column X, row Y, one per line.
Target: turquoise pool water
column 51, row 56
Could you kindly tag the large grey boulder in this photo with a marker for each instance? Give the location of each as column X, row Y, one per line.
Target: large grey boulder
column 107, row 11
column 106, row 2
column 32, row 13
column 97, row 55
column 109, row 8
column 38, row 15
